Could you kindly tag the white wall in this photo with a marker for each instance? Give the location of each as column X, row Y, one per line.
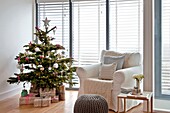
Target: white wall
column 15, row 31
column 148, row 47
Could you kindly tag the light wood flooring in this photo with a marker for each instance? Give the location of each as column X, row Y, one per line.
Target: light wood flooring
column 11, row 105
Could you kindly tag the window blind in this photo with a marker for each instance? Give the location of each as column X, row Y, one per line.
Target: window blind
column 165, row 77
column 89, row 18
column 58, row 13
column 89, row 26
column 126, row 25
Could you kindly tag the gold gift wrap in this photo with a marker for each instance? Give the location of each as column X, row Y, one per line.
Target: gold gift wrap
column 62, row 89
column 37, row 102
column 26, row 100
column 33, row 90
column 46, row 101
column 47, row 92
column 42, row 102
column 62, row 96
column 62, row 93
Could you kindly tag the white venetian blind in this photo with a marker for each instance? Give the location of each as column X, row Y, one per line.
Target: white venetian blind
column 58, row 13
column 89, row 19
column 165, row 77
column 126, row 25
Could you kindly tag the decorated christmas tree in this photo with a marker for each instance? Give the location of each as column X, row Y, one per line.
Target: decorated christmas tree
column 44, row 64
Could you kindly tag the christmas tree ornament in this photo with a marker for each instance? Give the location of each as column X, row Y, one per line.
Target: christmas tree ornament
column 41, row 57
column 49, row 68
column 39, row 66
column 55, row 65
column 47, row 57
column 42, row 69
column 37, row 49
column 46, row 22
column 29, row 53
column 27, row 59
column 18, row 59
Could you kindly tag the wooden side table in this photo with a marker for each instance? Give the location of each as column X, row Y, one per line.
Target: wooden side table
column 146, row 96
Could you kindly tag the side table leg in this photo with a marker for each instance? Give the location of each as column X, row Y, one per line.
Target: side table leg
column 117, row 104
column 124, row 105
column 147, row 105
column 151, row 104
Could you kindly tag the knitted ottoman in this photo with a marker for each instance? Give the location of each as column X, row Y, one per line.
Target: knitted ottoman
column 90, row 103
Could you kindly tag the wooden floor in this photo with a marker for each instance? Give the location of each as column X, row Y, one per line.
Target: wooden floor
column 11, row 105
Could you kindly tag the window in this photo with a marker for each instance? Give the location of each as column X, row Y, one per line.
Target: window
column 58, row 13
column 126, row 25
column 89, row 27
column 165, row 76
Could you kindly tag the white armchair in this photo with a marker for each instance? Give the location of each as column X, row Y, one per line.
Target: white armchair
column 109, row 89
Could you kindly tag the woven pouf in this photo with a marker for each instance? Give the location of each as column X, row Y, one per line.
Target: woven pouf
column 90, row 103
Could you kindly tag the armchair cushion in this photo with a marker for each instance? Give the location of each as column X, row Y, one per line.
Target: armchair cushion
column 131, row 59
column 119, row 60
column 106, row 71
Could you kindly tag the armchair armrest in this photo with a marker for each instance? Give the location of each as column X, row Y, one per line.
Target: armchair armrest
column 124, row 76
column 88, row 71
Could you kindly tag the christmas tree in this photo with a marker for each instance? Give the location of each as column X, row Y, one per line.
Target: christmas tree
column 44, row 64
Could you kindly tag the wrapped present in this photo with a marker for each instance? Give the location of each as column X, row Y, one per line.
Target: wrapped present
column 46, row 102
column 34, row 88
column 62, row 89
column 50, row 92
column 62, row 93
column 24, row 93
column 33, row 94
column 42, row 102
column 33, row 91
column 62, row 96
column 37, row 102
column 26, row 100
column 55, row 99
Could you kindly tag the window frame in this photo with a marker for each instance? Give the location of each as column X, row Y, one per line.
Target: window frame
column 158, row 51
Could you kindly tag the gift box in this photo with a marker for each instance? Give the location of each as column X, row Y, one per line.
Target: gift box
column 62, row 92
column 50, row 92
column 37, row 102
column 62, row 96
column 46, row 101
column 42, row 102
column 26, row 100
column 55, row 99
column 33, row 94
column 24, row 93
column 62, row 89
column 33, row 91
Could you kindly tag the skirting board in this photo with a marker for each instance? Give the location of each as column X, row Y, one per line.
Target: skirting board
column 10, row 93
column 165, row 110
